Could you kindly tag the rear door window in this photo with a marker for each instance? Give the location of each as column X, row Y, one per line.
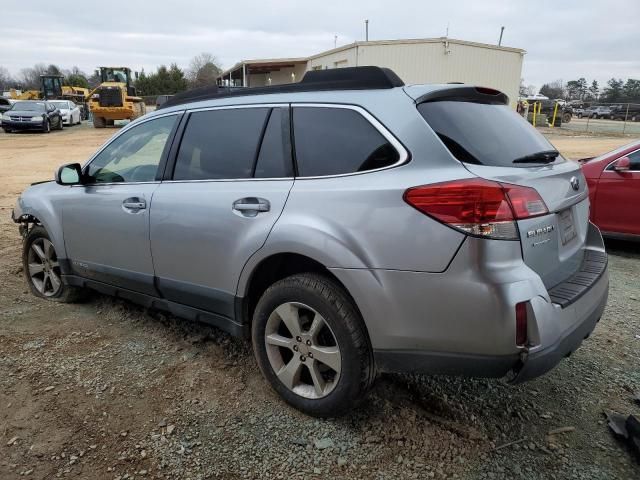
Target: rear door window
column 484, row 134
column 333, row 141
column 220, row 144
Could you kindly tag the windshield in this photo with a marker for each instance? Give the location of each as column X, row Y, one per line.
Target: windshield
column 114, row 75
column 29, row 106
column 63, row 105
column 485, row 134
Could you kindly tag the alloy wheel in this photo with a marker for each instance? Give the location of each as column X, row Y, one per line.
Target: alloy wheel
column 44, row 268
column 302, row 350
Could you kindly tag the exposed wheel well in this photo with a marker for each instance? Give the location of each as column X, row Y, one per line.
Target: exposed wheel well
column 275, row 268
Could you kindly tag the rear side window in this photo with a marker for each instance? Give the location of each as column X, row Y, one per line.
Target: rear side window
column 220, row 144
column 332, row 141
column 274, row 159
column 484, row 134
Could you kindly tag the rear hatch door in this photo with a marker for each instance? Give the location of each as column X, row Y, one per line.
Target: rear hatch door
column 493, row 142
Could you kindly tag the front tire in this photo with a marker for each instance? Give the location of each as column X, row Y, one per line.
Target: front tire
column 60, row 123
column 42, row 269
column 46, row 127
column 99, row 122
column 312, row 346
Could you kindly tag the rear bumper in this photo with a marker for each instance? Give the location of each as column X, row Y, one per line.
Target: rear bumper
column 462, row 321
column 540, row 362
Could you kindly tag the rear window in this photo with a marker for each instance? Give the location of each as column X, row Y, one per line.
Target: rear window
column 484, row 134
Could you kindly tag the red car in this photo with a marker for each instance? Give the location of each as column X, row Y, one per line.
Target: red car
column 614, row 190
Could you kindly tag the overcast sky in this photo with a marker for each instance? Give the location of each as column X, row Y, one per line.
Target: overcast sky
column 564, row 39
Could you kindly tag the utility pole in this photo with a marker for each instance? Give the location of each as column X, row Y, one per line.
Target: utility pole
column 501, row 32
column 366, row 30
column 335, row 41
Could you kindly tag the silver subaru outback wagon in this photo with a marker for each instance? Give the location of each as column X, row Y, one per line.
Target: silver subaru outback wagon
column 348, row 225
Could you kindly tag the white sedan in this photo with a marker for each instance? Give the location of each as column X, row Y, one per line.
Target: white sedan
column 69, row 110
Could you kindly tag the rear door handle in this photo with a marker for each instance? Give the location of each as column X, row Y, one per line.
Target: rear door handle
column 251, row 205
column 134, row 204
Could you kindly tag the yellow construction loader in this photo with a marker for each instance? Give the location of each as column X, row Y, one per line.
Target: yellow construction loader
column 115, row 98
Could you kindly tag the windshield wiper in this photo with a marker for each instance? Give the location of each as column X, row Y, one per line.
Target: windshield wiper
column 546, row 156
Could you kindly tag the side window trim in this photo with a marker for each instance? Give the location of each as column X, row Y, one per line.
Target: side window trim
column 403, row 153
column 175, row 147
column 165, row 150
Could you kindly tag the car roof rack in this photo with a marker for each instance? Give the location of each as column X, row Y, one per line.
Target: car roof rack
column 349, row 78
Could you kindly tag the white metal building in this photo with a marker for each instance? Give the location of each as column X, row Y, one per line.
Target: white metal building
column 430, row 60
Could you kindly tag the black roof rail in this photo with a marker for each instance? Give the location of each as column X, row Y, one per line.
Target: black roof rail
column 349, row 78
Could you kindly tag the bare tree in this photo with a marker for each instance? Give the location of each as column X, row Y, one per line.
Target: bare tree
column 29, row 78
column 203, row 70
column 6, row 80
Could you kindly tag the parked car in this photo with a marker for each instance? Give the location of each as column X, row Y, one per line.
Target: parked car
column 614, row 191
column 597, row 112
column 71, row 114
column 5, row 105
column 348, row 224
column 32, row 115
column 630, row 113
column 578, row 112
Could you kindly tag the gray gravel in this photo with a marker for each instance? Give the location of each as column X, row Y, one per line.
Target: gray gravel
column 107, row 390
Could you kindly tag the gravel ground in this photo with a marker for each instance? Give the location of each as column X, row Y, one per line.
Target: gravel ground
column 105, row 389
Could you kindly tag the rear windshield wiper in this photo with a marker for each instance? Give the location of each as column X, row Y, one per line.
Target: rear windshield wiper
column 546, row 156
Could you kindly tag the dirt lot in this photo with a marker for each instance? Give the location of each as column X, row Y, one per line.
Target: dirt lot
column 104, row 389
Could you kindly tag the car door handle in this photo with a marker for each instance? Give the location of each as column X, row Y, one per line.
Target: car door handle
column 252, row 205
column 134, row 203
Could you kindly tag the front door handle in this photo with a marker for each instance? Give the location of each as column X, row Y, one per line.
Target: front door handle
column 134, row 204
column 251, row 206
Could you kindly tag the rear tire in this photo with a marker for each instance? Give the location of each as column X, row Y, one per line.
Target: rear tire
column 99, row 122
column 327, row 323
column 42, row 269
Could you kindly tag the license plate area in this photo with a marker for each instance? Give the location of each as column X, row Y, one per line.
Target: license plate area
column 566, row 226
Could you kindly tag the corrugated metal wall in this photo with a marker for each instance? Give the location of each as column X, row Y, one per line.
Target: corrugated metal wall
column 437, row 62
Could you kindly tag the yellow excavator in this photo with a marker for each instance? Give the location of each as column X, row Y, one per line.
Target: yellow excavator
column 115, row 98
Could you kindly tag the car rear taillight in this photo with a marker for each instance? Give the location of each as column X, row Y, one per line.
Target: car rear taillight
column 478, row 207
column 521, row 324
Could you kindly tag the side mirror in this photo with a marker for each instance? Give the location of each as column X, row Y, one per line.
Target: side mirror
column 70, row 174
column 623, row 164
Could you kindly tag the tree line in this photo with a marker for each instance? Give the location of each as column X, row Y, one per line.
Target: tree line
column 203, row 70
column 615, row 91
